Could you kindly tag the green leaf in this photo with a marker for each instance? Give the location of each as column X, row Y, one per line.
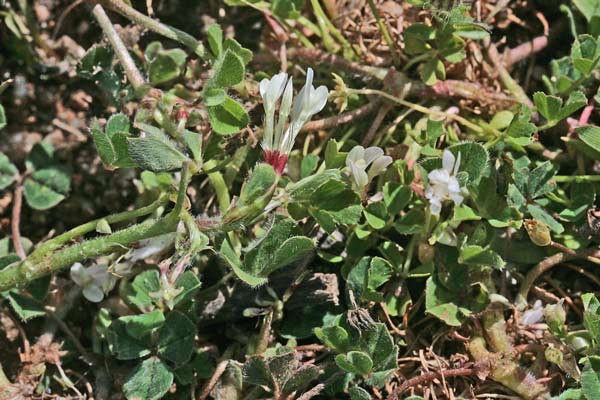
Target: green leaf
column 540, row 214
column 214, row 96
column 309, row 165
column 585, row 53
column 143, row 324
column 47, row 187
column 287, row 9
column 138, row 292
column 590, row 135
column 229, row 255
column 189, row 282
column 334, row 337
column 7, row 171
column 25, row 306
column 156, row 155
column 474, row 159
column 412, row 222
column 164, row 65
column 438, row 302
column 301, row 378
column 241, row 52
column 551, row 107
column 358, row 393
column 432, row 70
column 176, row 338
column 590, row 378
column 465, row 213
column 589, row 8
column 150, row 380
column 229, row 70
column 260, row 182
column 123, row 345
column 376, row 215
column 355, row 362
column 279, row 247
column 477, row 255
column 214, row 35
column 396, row 196
column 591, row 315
column 228, row 117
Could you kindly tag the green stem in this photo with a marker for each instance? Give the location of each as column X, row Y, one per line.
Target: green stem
column 46, row 262
column 133, row 74
column 25, row 272
column 218, row 183
column 321, row 21
column 576, row 178
column 81, row 230
column 155, row 26
column 544, row 266
column 348, row 51
column 425, row 110
column 384, row 32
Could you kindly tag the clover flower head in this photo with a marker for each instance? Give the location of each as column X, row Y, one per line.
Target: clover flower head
column 533, row 315
column 280, row 133
column 96, row 281
column 443, row 184
column 358, row 161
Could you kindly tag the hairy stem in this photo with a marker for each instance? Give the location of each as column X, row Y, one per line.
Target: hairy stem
column 167, row 31
column 15, row 221
column 505, row 370
column 88, row 227
column 544, row 266
column 49, row 261
column 133, row 74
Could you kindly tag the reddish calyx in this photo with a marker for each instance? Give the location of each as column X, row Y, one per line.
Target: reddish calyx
column 182, row 114
column 276, row 160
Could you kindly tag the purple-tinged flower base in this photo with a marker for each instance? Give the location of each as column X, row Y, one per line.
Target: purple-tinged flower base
column 276, row 160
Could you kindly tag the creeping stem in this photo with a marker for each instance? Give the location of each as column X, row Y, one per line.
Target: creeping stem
column 49, row 258
column 167, row 31
column 133, row 74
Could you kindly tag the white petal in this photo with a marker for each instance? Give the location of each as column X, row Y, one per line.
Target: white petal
column 435, row 206
column 438, row 176
column 318, row 100
column 457, row 165
column 78, row 274
column 448, row 160
column 357, row 153
column 379, row 165
column 533, row 316
column 372, row 153
column 453, row 185
column 456, row 198
column 93, row 293
column 284, row 111
column 429, row 193
column 264, row 84
column 152, row 246
column 360, row 176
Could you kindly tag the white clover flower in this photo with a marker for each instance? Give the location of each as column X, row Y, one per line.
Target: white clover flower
column 96, row 281
column 359, row 159
column 534, row 315
column 152, row 246
column 443, row 184
column 280, row 133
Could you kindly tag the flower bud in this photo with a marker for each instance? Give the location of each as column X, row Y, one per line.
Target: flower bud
column 538, row 232
column 555, row 317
